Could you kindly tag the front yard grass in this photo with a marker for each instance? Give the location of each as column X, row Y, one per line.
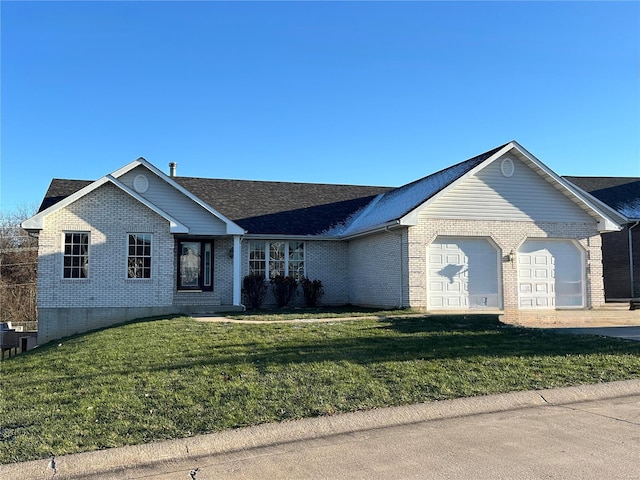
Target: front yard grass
column 176, row 377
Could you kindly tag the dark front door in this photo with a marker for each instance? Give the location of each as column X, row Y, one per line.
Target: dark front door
column 195, row 265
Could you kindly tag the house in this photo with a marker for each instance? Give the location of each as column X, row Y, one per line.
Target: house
column 499, row 232
column 620, row 250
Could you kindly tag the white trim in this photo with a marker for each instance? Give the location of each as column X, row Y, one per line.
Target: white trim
column 266, row 243
column 126, row 258
column 37, row 221
column 499, row 273
column 63, row 234
column 232, row 228
column 584, row 277
column 237, row 269
column 604, row 216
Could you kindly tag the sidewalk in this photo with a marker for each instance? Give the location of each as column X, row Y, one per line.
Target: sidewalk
column 173, row 459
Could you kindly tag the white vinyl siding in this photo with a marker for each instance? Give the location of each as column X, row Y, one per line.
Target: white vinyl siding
column 170, row 200
column 525, row 196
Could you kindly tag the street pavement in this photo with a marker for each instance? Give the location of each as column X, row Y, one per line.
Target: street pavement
column 583, row 432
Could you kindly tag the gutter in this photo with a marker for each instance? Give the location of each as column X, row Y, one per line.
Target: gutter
column 379, row 228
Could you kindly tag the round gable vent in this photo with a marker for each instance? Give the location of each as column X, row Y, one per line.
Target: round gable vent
column 140, row 183
column 507, row 167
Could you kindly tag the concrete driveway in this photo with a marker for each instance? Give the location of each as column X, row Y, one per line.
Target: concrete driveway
column 628, row 333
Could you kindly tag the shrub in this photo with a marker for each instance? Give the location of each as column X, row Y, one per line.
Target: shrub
column 284, row 288
column 254, row 289
column 312, row 290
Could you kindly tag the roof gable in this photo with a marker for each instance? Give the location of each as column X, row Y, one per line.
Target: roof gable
column 338, row 211
column 37, row 221
column 64, row 192
column 392, row 206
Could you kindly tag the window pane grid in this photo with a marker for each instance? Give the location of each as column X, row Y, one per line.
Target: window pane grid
column 139, row 259
column 257, row 264
column 76, row 255
column 277, row 258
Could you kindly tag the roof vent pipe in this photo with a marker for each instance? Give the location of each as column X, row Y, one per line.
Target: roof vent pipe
column 172, row 169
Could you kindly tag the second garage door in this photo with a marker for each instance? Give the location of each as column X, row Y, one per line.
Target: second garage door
column 550, row 274
column 462, row 274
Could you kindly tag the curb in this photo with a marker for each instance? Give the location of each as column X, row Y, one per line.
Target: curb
column 143, row 457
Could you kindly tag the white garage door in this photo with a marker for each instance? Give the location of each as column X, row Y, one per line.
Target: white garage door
column 550, row 274
column 462, row 274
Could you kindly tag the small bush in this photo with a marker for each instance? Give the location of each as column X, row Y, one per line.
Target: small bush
column 254, row 289
column 284, row 288
column 312, row 290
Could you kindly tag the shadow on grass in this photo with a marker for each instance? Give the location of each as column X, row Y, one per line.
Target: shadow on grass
column 397, row 339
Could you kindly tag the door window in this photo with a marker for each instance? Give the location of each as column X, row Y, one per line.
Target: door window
column 195, row 265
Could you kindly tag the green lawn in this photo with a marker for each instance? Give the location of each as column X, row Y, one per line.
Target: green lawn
column 175, row 377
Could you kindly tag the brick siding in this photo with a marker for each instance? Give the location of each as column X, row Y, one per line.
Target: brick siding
column 508, row 236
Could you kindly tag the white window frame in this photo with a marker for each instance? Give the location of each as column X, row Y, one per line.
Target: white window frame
column 86, row 255
column 128, row 256
column 266, row 261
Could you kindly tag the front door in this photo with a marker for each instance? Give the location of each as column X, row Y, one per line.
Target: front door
column 195, row 265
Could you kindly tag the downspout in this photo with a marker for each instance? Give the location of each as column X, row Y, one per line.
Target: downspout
column 401, row 303
column 633, row 295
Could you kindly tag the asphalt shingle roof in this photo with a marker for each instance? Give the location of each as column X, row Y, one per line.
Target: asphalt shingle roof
column 286, row 208
column 620, row 193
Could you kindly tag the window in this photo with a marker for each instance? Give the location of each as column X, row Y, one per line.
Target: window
column 284, row 258
column 195, row 265
column 139, row 256
column 76, row 255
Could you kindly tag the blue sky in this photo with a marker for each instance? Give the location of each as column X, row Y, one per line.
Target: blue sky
column 374, row 93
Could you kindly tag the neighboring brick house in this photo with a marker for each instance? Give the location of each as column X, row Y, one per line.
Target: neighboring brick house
column 499, row 232
column 620, row 250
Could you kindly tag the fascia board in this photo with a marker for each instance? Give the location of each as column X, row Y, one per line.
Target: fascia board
column 369, row 231
column 37, row 221
column 411, row 218
column 617, row 216
column 608, row 219
column 175, row 225
column 232, row 227
column 264, row 236
column 128, row 167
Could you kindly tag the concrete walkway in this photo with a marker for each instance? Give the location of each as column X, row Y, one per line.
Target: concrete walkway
column 571, row 433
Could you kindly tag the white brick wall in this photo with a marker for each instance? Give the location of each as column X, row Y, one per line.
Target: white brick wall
column 107, row 296
column 508, row 236
column 326, row 261
column 387, row 269
column 108, row 214
column 378, row 270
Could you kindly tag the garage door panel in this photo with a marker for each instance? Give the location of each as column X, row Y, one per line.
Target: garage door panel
column 464, row 276
column 550, row 274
